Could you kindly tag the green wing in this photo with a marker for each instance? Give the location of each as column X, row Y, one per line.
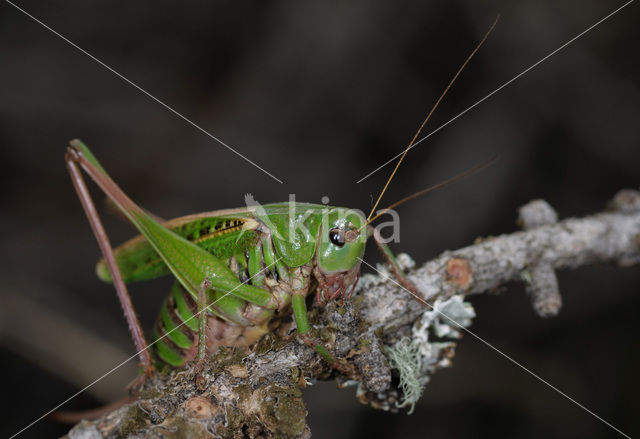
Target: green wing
column 218, row 232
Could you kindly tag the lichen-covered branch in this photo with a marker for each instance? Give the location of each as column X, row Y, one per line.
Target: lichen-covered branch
column 258, row 393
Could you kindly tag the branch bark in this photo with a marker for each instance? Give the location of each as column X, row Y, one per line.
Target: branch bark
column 258, row 393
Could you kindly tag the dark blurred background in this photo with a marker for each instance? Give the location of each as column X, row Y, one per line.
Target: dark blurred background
column 320, row 94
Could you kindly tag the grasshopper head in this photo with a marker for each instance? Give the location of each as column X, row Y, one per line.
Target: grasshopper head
column 341, row 244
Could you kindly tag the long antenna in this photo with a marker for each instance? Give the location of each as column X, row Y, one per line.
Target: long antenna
column 415, row 137
column 477, row 168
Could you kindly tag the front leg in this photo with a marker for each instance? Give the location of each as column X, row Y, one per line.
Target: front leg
column 302, row 322
column 395, row 267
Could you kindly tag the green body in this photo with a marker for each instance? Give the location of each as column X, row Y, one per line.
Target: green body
column 222, row 236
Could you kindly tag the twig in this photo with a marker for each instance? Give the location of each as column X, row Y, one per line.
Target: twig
column 258, row 393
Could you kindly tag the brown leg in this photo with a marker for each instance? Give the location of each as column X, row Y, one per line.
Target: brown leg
column 202, row 320
column 202, row 335
column 105, row 246
column 397, row 271
column 72, row 417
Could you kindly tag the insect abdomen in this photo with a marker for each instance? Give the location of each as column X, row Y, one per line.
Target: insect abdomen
column 176, row 328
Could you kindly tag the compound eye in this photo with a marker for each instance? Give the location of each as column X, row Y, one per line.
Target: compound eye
column 336, row 236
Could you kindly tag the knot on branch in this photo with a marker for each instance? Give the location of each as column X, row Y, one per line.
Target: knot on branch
column 626, row 201
column 540, row 277
column 459, row 273
column 536, row 213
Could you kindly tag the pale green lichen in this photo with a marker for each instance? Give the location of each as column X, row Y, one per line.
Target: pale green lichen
column 416, row 359
column 405, row 357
